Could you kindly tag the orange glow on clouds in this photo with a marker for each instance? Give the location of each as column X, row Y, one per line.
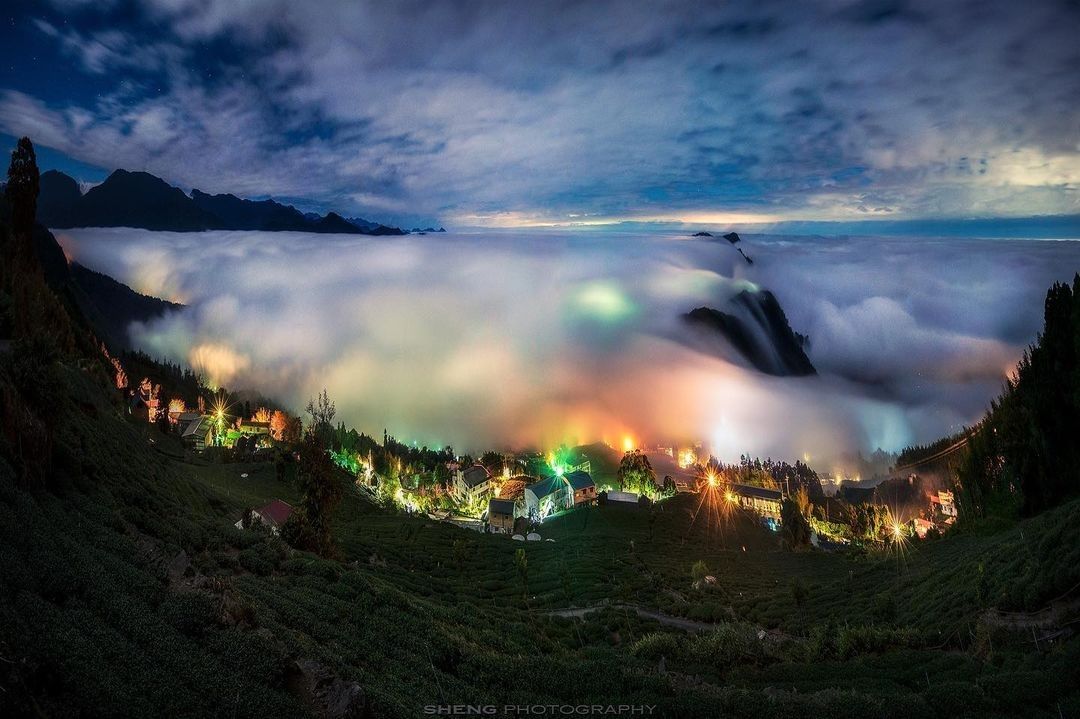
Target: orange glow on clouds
column 218, row 364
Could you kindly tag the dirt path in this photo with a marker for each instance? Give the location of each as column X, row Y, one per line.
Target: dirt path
column 687, row 625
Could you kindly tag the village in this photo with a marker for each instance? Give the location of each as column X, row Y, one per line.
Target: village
column 513, row 494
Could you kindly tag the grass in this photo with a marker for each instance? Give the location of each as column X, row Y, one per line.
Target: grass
column 96, row 619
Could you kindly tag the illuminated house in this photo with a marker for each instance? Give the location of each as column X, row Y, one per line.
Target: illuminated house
column 470, row 485
column 144, row 401
column 272, row 516
column 196, row 432
column 251, row 427
column 549, row 495
column 765, row 502
column 501, row 515
column 583, row 487
column 184, row 420
column 687, row 458
column 944, row 502
column 923, row 527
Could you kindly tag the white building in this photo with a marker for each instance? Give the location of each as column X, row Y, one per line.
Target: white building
column 471, row 485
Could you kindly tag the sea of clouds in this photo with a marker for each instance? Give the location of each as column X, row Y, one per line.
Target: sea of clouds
column 529, row 338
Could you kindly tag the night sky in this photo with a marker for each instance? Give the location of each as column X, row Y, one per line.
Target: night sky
column 474, row 113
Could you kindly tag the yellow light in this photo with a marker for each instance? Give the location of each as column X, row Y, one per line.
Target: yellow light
column 628, row 443
column 711, row 478
column 729, row 496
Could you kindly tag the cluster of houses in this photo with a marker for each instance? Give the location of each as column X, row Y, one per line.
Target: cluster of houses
column 942, row 514
column 534, row 499
column 199, row 431
column 521, row 496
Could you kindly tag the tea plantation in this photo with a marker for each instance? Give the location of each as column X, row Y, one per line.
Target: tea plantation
column 125, row 590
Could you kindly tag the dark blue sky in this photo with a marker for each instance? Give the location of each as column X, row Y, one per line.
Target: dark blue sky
column 477, row 113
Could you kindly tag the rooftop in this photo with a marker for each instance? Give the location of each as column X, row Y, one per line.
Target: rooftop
column 196, row 426
column 475, row 475
column 546, row 487
column 515, row 487
column 277, row 512
column 501, row 506
column 747, row 490
column 579, row 480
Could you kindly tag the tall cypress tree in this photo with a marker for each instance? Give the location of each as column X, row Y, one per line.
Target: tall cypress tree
column 23, row 184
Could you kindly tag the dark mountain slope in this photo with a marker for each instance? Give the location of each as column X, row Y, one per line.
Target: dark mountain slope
column 333, row 222
column 107, row 305
column 116, row 305
column 58, row 199
column 139, row 199
column 756, row 326
column 239, row 214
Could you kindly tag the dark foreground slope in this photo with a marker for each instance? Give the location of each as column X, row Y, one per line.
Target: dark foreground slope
column 127, row 592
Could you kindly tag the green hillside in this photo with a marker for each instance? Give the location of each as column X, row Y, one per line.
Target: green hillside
column 127, row 592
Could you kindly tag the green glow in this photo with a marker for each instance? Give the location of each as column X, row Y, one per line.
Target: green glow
column 604, row 301
column 558, row 460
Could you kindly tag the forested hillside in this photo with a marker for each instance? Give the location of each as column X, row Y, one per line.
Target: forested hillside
column 1025, row 455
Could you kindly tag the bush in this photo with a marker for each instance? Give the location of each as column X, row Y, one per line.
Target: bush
column 258, row 559
column 657, row 644
column 189, row 613
column 853, row 641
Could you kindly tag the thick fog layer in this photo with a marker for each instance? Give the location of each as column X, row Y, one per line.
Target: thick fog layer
column 522, row 338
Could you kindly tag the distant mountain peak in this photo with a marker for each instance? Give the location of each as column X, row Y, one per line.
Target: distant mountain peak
column 139, row 199
column 755, row 325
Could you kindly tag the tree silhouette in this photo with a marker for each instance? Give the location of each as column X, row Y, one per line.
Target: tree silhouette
column 796, row 528
column 23, row 184
column 1024, row 456
column 636, row 473
column 320, row 485
column 321, row 411
column 522, row 564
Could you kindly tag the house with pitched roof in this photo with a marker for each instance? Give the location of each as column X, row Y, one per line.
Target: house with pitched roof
column 501, row 515
column 549, row 495
column 273, row 516
column 765, row 502
column 471, row 485
column 582, row 486
column 196, row 432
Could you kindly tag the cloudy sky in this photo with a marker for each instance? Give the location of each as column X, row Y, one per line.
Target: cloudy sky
column 479, row 113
